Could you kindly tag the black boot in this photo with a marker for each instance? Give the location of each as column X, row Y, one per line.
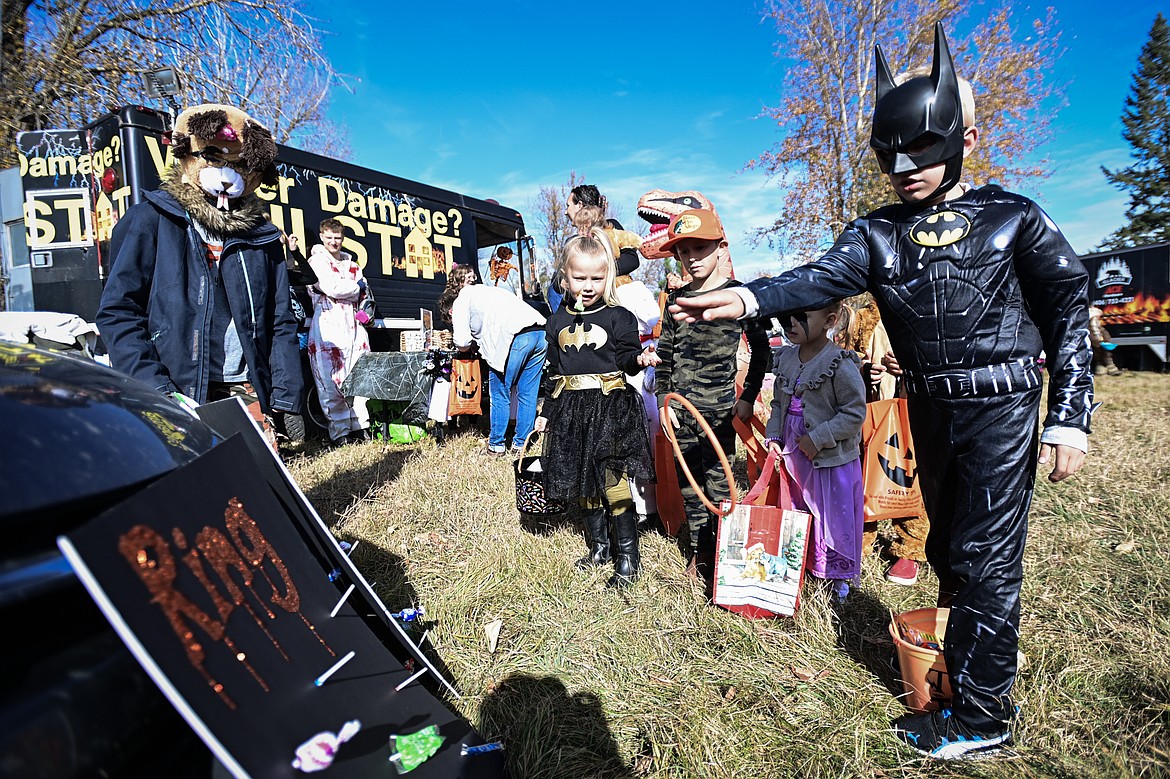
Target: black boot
column 597, row 526
column 700, row 553
column 628, row 562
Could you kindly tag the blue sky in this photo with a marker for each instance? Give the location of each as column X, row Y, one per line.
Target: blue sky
column 496, row 100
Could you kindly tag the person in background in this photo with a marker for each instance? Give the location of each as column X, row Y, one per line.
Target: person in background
column 510, row 335
column 865, row 334
column 300, row 278
column 337, row 336
column 642, row 303
column 460, row 276
column 584, row 208
column 908, row 545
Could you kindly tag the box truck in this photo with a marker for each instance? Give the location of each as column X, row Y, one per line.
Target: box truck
column 75, row 185
column 1132, row 288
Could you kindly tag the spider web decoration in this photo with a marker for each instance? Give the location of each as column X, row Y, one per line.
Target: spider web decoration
column 395, row 376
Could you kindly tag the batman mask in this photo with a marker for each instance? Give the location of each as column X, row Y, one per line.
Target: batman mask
column 920, row 123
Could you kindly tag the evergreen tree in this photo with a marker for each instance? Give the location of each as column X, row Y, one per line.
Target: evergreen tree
column 1147, row 128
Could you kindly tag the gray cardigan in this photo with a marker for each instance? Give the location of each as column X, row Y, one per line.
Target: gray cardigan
column 833, row 394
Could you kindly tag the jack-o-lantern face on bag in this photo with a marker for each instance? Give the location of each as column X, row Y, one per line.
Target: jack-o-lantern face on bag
column 223, row 152
column 467, row 385
column 898, row 464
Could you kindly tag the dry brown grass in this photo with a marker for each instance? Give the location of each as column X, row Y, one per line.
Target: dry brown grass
column 654, row 682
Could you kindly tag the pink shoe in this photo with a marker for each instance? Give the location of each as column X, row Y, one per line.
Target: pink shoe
column 903, row 571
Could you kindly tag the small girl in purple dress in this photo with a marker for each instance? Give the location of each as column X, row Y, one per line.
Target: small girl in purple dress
column 817, row 413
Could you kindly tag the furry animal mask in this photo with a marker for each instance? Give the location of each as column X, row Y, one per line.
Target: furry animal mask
column 223, row 152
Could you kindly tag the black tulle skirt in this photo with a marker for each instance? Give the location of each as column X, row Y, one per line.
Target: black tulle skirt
column 590, row 433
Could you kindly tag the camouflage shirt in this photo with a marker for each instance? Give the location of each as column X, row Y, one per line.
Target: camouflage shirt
column 698, row 359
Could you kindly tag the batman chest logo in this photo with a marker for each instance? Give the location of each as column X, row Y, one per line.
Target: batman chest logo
column 579, row 335
column 940, row 229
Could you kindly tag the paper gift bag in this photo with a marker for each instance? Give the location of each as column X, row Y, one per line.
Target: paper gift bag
column 466, row 387
column 889, row 470
column 760, row 552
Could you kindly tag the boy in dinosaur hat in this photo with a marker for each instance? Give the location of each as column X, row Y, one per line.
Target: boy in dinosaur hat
column 972, row 284
column 699, row 361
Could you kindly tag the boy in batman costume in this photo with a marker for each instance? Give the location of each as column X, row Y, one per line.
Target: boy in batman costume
column 972, row 284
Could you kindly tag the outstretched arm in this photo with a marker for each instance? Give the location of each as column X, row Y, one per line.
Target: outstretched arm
column 841, row 272
column 721, row 304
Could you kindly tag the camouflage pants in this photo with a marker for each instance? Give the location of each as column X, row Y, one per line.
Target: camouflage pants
column 705, row 466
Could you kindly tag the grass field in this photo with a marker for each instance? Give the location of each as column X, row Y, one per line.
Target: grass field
column 655, row 682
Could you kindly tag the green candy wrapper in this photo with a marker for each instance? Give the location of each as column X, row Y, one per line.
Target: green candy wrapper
column 412, row 749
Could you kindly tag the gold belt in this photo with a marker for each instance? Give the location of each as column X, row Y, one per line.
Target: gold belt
column 606, row 382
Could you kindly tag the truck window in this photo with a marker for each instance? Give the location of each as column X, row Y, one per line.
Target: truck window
column 18, row 294
column 498, row 266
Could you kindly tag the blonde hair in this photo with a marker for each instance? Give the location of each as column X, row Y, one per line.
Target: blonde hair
column 593, row 244
column 587, row 218
column 966, row 94
column 844, row 333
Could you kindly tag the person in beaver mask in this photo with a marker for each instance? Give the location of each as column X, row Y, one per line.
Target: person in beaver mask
column 197, row 302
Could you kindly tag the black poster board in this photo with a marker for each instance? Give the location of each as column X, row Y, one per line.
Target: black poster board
column 230, row 416
column 214, row 590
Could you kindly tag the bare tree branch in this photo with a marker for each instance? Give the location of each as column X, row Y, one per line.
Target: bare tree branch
column 67, row 61
column 824, row 112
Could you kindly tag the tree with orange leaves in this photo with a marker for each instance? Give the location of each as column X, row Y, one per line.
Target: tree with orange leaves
column 823, row 160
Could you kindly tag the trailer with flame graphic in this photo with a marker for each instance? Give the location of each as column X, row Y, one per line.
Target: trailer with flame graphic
column 1132, row 288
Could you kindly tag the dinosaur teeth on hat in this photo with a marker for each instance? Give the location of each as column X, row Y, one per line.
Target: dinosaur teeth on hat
column 657, row 207
column 654, row 216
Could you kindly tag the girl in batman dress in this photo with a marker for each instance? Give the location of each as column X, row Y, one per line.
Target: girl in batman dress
column 597, row 430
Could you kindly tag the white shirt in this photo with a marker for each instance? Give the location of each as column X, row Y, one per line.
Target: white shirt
column 490, row 316
column 641, row 302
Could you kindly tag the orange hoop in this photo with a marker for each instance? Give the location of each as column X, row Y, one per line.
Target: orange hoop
column 669, row 428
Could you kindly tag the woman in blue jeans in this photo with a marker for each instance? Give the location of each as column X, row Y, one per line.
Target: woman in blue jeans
column 510, row 335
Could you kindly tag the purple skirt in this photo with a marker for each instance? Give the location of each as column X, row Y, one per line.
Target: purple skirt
column 834, row 497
